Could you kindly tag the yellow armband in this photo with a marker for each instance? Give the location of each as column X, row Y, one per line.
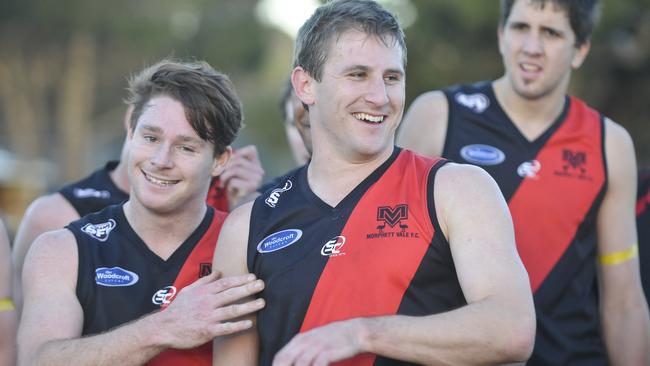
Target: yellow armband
column 619, row 257
column 7, row 304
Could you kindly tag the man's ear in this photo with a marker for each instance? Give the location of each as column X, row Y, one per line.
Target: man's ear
column 581, row 54
column 500, row 38
column 219, row 163
column 303, row 85
column 127, row 121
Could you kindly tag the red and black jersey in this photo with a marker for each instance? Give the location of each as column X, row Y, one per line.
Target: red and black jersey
column 643, row 228
column 120, row 279
column 95, row 191
column 554, row 186
column 380, row 251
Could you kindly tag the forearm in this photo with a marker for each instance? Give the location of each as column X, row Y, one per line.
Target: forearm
column 627, row 336
column 463, row 336
column 8, row 323
column 132, row 344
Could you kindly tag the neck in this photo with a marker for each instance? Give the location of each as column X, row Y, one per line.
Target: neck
column 163, row 233
column 332, row 178
column 120, row 177
column 532, row 116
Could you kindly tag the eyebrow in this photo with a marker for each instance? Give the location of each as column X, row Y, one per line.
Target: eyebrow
column 183, row 138
column 367, row 68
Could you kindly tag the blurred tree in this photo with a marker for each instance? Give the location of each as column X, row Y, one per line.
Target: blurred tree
column 64, row 64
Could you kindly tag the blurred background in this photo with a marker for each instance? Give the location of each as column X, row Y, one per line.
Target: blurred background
column 64, row 64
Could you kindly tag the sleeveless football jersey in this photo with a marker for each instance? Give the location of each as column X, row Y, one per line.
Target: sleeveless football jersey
column 119, row 279
column 554, row 186
column 380, row 251
column 643, row 228
column 94, row 192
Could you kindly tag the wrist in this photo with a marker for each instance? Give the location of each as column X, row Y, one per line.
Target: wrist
column 150, row 333
column 366, row 334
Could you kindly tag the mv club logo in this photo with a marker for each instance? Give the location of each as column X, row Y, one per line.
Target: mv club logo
column 574, row 165
column 476, row 102
column 274, row 196
column 332, row 247
column 392, row 223
column 99, row 231
column 115, row 277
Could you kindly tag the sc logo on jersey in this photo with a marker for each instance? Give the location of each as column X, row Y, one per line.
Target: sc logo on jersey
column 274, row 197
column 333, row 247
column 164, row 296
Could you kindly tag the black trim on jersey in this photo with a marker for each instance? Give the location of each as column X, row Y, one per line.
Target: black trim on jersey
column 604, row 151
column 431, row 203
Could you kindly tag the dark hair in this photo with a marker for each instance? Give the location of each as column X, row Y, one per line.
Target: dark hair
column 333, row 19
column 583, row 15
column 208, row 97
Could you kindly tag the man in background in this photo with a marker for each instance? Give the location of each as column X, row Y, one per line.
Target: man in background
column 568, row 174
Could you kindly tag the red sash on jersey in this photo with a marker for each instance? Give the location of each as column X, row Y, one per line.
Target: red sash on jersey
column 198, row 264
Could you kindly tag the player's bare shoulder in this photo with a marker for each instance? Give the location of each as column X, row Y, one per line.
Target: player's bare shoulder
column 424, row 126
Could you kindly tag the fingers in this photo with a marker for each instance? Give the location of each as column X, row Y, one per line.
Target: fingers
column 222, row 284
column 249, row 152
column 236, row 311
column 244, row 164
column 227, row 328
column 236, row 293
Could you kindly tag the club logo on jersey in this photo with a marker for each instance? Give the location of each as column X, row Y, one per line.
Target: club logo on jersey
column 274, row 196
column 279, row 240
column 529, row 169
column 574, row 165
column 205, row 269
column 391, row 217
column 476, row 102
column 482, row 154
column 99, row 231
column 333, row 247
column 115, row 277
column 164, row 296
column 91, row 193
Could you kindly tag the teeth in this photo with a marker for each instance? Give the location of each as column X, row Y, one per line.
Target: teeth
column 160, row 182
column 368, row 118
column 529, row 67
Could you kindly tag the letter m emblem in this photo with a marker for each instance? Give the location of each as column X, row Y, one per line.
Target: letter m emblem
column 392, row 215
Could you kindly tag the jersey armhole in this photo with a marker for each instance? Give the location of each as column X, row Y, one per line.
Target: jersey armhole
column 601, row 122
column 431, row 205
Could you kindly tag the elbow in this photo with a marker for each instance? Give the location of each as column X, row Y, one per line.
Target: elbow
column 518, row 346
